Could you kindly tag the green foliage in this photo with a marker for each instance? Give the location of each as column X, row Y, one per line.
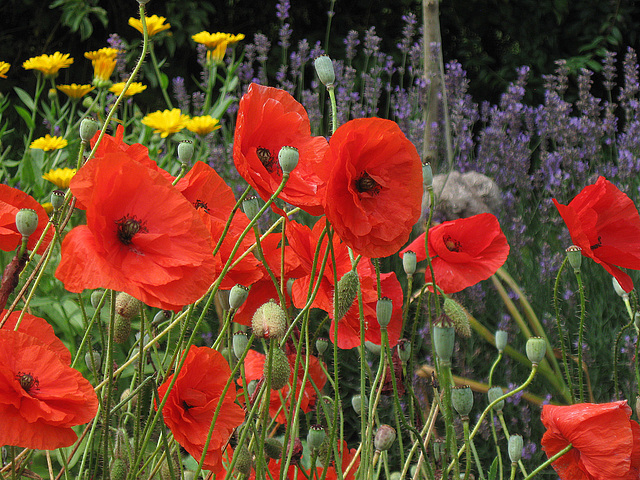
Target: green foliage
column 79, row 15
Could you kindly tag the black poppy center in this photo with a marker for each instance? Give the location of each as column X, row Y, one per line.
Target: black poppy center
column 597, row 245
column 199, row 204
column 364, row 183
column 267, row 159
column 452, row 244
column 186, row 406
column 27, row 381
column 127, row 227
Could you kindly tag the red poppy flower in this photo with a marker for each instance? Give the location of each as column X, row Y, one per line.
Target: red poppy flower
column 142, row 236
column 193, row 400
column 605, row 224
column 606, row 442
column 463, row 252
column 12, row 201
column 269, row 119
column 41, row 396
column 254, row 366
column 374, row 192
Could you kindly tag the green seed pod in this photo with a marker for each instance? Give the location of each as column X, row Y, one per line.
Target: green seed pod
column 26, row 221
column 237, row 296
column 515, row 448
column 458, row 316
column 345, row 293
column 384, row 309
column 88, row 127
column 501, row 340
column 269, row 321
column 121, row 329
column 273, row 448
column 356, row 403
column 57, row 199
column 288, row 158
column 444, row 336
column 462, row 399
column 325, row 71
column 240, row 342
column 494, row 393
column 280, row 369
column 244, row 461
column 404, row 349
column 185, row 151
column 409, row 262
column 427, row 175
column 250, row 207
column 315, row 437
column 385, row 436
column 536, row 347
column 321, row 345
column 127, row 306
column 574, row 255
column 97, row 360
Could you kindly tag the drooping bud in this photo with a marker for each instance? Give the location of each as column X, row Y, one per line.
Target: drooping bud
column 385, row 436
column 95, row 357
column 443, row 338
column 384, row 309
column 409, row 262
column 536, row 348
column 495, row 393
column 240, row 342
column 88, row 128
column 324, row 411
column 222, row 297
column 325, row 71
column 345, row 293
column 96, row 296
column 574, row 255
column 121, row 329
column 458, row 316
column 237, row 296
column 515, row 448
column 161, row 317
column 269, row 321
column 462, row 399
column 404, row 349
column 250, row 207
column 273, row 448
column 244, row 460
column 321, row 345
column 501, row 340
column 618, row 288
column 288, row 158
column 127, row 306
column 315, row 437
column 26, row 221
column 373, row 347
column 280, row 369
column 185, row 151
column 57, row 199
column 356, row 403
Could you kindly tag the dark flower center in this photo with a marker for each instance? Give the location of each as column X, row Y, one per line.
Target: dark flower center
column 364, row 183
column 186, row 406
column 597, row 245
column 452, row 244
column 267, row 159
column 128, row 226
column 27, row 381
column 200, row 204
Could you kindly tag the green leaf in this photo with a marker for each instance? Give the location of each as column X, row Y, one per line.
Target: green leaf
column 164, row 81
column 26, row 98
column 26, row 116
column 493, row 470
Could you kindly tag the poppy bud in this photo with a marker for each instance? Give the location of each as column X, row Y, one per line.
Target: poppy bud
column 501, row 340
column 536, row 347
column 244, row 460
column 409, row 262
column 127, row 306
column 93, row 356
column 280, row 369
column 240, row 342
column 121, row 329
column 494, row 393
column 356, row 403
column 443, row 338
column 185, row 151
column 26, row 221
column 315, row 437
column 251, row 387
column 325, row 71
column 325, row 411
column 462, row 399
column 273, row 448
column 222, row 296
column 321, row 345
column 404, row 349
column 515, row 448
column 574, row 255
column 250, row 207
column 96, row 296
column 269, row 321
column 288, row 158
column 57, row 199
column 237, row 296
column 384, row 309
column 427, row 175
column 636, row 321
column 385, row 436
column 119, row 469
column 458, row 316
column 165, row 471
column 161, row 316
column 618, row 289
column 345, row 293
column 88, row 127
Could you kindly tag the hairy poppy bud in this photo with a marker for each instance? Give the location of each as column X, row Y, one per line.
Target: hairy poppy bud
column 315, row 437
column 385, row 436
column 384, row 309
column 409, row 262
column 501, row 340
column 273, row 448
column 288, row 158
column 88, row 127
column 462, row 399
column 57, row 199
column 121, row 329
column 458, row 316
column 536, row 347
column 237, row 296
column 280, row 369
column 244, row 461
column 345, row 293
column 404, row 349
column 127, row 306
column 325, row 71
column 185, row 151
column 119, row 469
column 26, row 221
column 495, row 393
column 269, row 321
column 356, row 403
column 96, row 296
column 515, row 448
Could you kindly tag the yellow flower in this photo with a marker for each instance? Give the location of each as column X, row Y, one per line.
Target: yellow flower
column 166, row 122
column 103, row 52
column 48, row 207
column 48, row 64
column 4, row 68
column 135, row 87
column 155, row 24
column 75, row 91
column 203, row 125
column 60, row 177
column 102, row 69
column 216, row 43
column 48, row 143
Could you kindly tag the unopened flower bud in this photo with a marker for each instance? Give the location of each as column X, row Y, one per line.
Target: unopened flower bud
column 444, row 338
column 462, row 399
column 373, row 347
column 250, row 207
column 427, row 175
column 96, row 296
column 88, row 127
column 185, row 151
column 495, row 393
column 315, row 437
column 26, row 221
column 384, row 309
column 280, row 369
column 273, row 448
column 251, row 387
column 574, row 255
column 93, row 356
column 269, row 321
column 321, row 345
column 404, row 349
column 237, row 296
column 240, row 342
column 515, row 448
column 409, row 262
column 345, row 293
column 57, row 199
column 636, row 321
column 356, row 403
column 119, row 469
column 536, row 348
column 127, row 306
column 385, row 436
column 161, row 317
column 501, row 340
column 121, row 329
column 288, row 158
column 244, row 460
column 458, row 316
column 325, row 71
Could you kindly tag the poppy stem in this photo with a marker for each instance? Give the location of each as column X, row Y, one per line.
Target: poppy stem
column 549, row 461
column 561, row 333
column 580, row 334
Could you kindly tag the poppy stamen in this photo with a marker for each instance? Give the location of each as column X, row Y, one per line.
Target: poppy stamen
column 200, row 204
column 186, row 406
column 597, row 245
column 27, row 381
column 452, row 244
column 267, row 159
column 128, row 226
column 365, row 183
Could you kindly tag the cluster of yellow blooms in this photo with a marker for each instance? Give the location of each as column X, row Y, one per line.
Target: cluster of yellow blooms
column 216, row 44
column 167, row 122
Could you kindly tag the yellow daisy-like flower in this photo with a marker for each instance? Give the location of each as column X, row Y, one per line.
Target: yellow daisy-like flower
column 155, row 24
column 75, row 91
column 103, row 52
column 166, row 122
column 48, row 143
column 48, row 207
column 4, row 68
column 102, row 69
column 49, row 65
column 135, row 87
column 60, row 177
column 203, row 125
column 216, row 43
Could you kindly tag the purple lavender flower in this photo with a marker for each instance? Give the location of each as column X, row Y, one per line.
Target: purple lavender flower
column 282, row 10
column 180, row 94
column 116, row 42
column 351, row 43
column 371, row 42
